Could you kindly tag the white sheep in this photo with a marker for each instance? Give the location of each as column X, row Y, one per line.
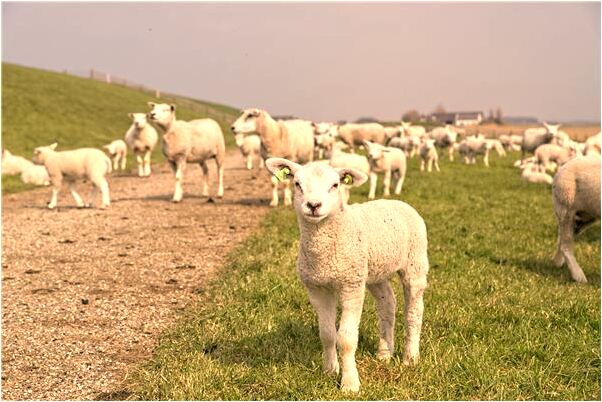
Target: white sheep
column 410, row 144
column 511, row 142
column 531, row 174
column 292, row 139
column 325, row 135
column 13, row 164
column 195, row 141
column 117, row 150
column 576, row 197
column 548, row 153
column 340, row 159
column 83, row 163
column 142, row 138
column 387, row 160
column 346, row 249
column 445, row 138
column 354, row 134
column 407, row 129
column 250, row 147
column 36, row 175
column 534, row 137
column 592, row 145
column 429, row 155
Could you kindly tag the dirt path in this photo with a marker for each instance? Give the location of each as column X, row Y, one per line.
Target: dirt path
column 86, row 292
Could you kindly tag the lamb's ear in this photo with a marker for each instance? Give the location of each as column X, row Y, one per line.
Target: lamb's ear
column 173, row 107
column 53, row 146
column 282, row 168
column 366, row 143
column 131, row 115
column 352, row 177
column 151, row 104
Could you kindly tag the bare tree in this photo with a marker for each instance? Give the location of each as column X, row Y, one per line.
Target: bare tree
column 411, row 115
column 440, row 109
column 498, row 115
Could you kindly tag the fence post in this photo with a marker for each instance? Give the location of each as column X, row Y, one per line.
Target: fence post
column 92, row 73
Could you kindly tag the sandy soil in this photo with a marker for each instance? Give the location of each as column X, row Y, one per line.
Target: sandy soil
column 86, row 292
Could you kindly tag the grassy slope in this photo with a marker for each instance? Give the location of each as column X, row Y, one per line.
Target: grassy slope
column 500, row 321
column 41, row 107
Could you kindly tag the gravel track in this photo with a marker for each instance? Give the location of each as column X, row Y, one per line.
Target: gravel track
column 86, row 292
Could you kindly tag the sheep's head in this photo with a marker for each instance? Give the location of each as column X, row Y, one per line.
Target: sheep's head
column 552, row 128
column 110, row 149
column 375, row 151
column 161, row 113
column 429, row 143
column 317, row 186
column 139, row 119
column 321, row 128
column 40, row 153
column 247, row 122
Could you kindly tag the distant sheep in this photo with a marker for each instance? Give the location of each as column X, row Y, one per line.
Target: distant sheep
column 250, row 148
column 387, row 160
column 532, row 174
column 407, row 129
column 534, row 137
column 354, row 134
column 291, row 139
column 445, row 138
column 78, row 164
column 429, row 155
column 346, row 249
column 325, row 135
column 592, row 145
column 36, row 175
column 576, row 197
column 142, row 138
column 195, row 141
column 547, row 153
column 117, row 150
column 29, row 172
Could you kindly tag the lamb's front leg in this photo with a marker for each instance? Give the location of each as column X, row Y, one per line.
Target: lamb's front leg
column 387, row 183
column 385, row 307
column 351, row 303
column 288, row 195
column 274, row 202
column 450, row 152
column 325, row 303
column 147, row 163
column 140, row 161
column 413, row 292
column 486, row 158
column 373, row 180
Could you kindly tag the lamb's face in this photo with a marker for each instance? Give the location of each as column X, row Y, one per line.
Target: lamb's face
column 40, row 153
column 429, row 144
column 375, row 152
column 161, row 113
column 321, row 128
column 317, row 192
column 139, row 120
column 247, row 122
column 110, row 149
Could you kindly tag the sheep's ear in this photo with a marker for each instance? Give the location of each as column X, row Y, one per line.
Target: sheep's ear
column 131, row 115
column 366, row 143
column 352, row 177
column 151, row 104
column 53, row 146
column 173, row 107
column 282, row 168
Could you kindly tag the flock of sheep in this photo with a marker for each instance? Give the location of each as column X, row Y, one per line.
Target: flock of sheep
column 341, row 252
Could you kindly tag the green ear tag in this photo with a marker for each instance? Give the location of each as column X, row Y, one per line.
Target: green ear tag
column 282, row 173
column 347, row 179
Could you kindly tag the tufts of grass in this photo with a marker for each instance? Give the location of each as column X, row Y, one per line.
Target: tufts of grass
column 41, row 107
column 500, row 321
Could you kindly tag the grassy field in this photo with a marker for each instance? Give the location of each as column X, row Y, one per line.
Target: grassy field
column 500, row 321
column 41, row 107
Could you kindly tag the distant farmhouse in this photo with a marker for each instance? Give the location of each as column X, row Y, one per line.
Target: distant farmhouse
column 457, row 118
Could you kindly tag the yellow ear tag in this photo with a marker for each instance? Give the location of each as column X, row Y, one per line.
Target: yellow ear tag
column 347, row 179
column 282, row 173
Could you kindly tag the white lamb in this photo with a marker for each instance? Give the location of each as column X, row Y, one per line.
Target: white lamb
column 250, row 147
column 407, row 129
column 141, row 138
column 36, row 175
column 592, row 145
column 576, row 196
column 325, row 135
column 293, row 139
column 13, row 164
column 195, row 141
column 511, row 142
column 548, row 153
column 354, row 134
column 83, row 163
column 445, row 138
column 118, row 152
column 340, row 159
column 429, row 155
column 532, row 174
column 387, row 160
column 346, row 249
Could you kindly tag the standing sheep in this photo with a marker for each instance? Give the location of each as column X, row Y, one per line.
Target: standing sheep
column 534, row 137
column 387, row 160
column 346, row 249
column 250, row 147
column 340, row 159
column 292, row 139
column 194, row 141
column 429, row 155
column 83, row 163
column 325, row 135
column 548, row 153
column 354, row 134
column 445, row 138
column 576, row 197
column 141, row 138
column 407, row 129
column 118, row 152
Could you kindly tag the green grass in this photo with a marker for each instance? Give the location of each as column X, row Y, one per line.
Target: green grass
column 41, row 107
column 500, row 321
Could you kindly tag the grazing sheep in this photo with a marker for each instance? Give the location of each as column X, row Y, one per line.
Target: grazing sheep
column 346, row 249
column 292, row 139
column 391, row 132
column 13, row 164
column 141, row 137
column 532, row 174
column 83, row 163
column 354, row 134
column 592, row 145
column 250, row 147
column 118, row 152
column 36, row 175
column 547, row 153
column 477, row 145
column 194, row 141
column 429, row 155
column 445, row 138
column 410, row 144
column 385, row 160
column 534, row 137
column 497, row 145
column 511, row 142
column 576, row 197
column 407, row 129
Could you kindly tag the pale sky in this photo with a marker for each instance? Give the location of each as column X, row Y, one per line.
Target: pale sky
column 330, row 61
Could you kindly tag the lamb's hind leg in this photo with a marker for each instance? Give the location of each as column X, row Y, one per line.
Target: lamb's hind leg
column 205, row 179
column 351, row 302
column 385, row 307
column 414, row 284
column 325, row 304
column 56, row 187
column 78, row 200
column 219, row 163
column 565, row 246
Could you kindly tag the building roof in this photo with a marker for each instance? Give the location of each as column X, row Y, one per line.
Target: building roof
column 452, row 116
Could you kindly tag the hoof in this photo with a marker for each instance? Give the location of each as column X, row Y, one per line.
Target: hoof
column 410, row 360
column 332, row 369
column 104, row 206
column 383, row 355
column 350, row 385
column 579, row 278
column 274, row 204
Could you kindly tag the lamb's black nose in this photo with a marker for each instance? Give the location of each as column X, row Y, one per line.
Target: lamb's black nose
column 314, row 205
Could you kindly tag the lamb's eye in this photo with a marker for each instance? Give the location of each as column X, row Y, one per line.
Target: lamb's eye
column 334, row 186
column 298, row 186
